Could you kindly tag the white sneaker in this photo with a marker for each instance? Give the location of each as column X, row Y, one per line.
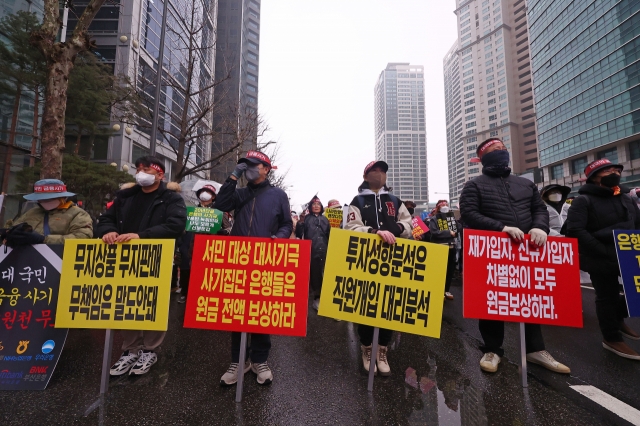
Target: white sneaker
column 366, row 358
column 145, row 361
column 489, row 362
column 545, row 359
column 124, row 364
column 263, row 372
column 231, row 376
column 381, row 361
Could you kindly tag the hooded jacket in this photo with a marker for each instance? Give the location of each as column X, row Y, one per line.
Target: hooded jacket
column 492, row 201
column 66, row 222
column 317, row 229
column 165, row 218
column 591, row 219
column 266, row 214
column 382, row 211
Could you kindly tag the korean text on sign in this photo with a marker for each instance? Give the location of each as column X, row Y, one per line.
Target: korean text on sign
column 628, row 251
column 398, row 287
column 334, row 216
column 520, row 282
column 203, row 220
column 253, row 285
column 122, row 286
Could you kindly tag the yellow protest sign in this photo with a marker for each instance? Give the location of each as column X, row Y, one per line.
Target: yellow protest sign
column 398, row 287
column 121, row 286
column 334, row 216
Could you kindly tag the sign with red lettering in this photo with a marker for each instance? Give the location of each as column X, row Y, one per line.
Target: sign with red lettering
column 520, row 282
column 253, row 285
column 419, row 227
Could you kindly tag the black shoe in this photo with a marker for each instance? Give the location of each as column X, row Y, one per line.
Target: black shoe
column 182, row 299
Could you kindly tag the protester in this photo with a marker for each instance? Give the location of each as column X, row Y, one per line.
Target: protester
column 334, row 204
column 299, row 229
column 316, row 229
column 447, row 238
column 261, row 210
column 376, row 211
column 52, row 221
column 555, row 197
column 294, row 219
column 499, row 201
column 147, row 210
column 601, row 208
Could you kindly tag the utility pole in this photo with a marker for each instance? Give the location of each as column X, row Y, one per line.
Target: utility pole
column 156, row 105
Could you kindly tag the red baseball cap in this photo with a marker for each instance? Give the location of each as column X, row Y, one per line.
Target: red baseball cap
column 371, row 165
column 257, row 157
column 600, row 164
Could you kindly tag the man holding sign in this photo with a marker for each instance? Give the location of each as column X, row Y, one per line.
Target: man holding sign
column 375, row 211
column 261, row 210
column 499, row 201
column 148, row 210
column 443, row 231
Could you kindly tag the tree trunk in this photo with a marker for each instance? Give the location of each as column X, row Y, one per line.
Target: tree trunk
column 36, row 116
column 53, row 127
column 12, row 138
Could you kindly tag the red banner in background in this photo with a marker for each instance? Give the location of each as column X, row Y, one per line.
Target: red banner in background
column 254, row 285
column 520, row 282
column 419, row 227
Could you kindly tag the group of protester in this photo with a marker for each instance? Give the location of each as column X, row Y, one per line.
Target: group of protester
column 495, row 201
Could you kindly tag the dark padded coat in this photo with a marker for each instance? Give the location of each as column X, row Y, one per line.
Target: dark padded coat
column 317, row 229
column 591, row 219
column 490, row 202
column 166, row 218
column 267, row 214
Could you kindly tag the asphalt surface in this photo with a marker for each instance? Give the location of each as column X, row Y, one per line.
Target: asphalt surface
column 319, row 380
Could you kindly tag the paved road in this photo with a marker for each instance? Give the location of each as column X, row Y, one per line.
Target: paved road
column 319, row 380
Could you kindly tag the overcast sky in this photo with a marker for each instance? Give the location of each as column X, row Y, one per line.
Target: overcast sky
column 319, row 62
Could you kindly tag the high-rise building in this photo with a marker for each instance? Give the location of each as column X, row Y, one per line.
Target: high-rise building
column 237, row 57
column 495, row 77
column 586, row 75
column 401, row 138
column 127, row 37
column 453, row 106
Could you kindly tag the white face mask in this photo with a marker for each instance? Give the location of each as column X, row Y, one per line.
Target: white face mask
column 444, row 209
column 205, row 196
column 145, row 179
column 50, row 204
column 555, row 197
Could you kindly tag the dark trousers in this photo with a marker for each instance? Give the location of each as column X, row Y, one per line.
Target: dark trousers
column 258, row 350
column 611, row 306
column 185, row 274
column 451, row 266
column 366, row 335
column 493, row 335
column 316, row 274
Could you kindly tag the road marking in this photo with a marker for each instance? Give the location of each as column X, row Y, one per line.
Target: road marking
column 612, row 404
column 587, row 287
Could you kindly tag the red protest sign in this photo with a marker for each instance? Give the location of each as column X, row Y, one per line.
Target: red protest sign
column 519, row 282
column 419, row 227
column 253, row 285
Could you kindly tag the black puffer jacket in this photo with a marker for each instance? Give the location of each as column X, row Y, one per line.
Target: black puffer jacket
column 166, row 218
column 592, row 218
column 316, row 229
column 490, row 202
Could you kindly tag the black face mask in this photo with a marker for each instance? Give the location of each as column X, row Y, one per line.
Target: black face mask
column 496, row 159
column 611, row 180
column 411, row 211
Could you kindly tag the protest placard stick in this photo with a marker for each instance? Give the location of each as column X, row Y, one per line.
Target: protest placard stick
column 374, row 356
column 241, row 361
column 345, row 215
column 106, row 361
column 523, row 356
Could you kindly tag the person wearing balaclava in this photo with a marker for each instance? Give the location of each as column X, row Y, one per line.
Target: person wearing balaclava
column 317, row 228
column 499, row 201
column 148, row 210
column 53, row 221
column 555, row 197
column 375, row 211
column 446, row 237
column 602, row 207
column 261, row 211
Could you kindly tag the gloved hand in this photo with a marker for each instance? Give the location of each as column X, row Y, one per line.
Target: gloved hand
column 514, row 232
column 239, row 170
column 538, row 236
column 22, row 235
